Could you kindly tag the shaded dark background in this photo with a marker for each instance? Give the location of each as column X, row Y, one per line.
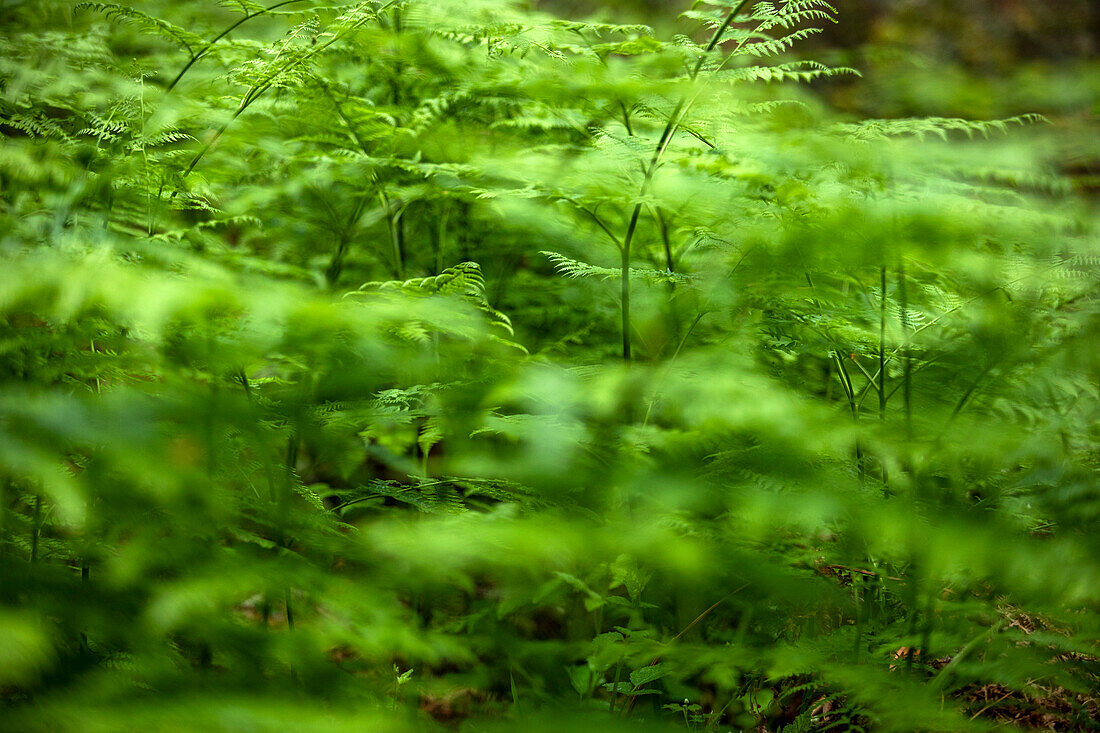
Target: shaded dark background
column 976, row 59
column 980, row 33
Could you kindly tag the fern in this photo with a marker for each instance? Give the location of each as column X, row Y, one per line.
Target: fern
column 148, row 23
column 843, row 479
column 875, row 129
column 802, row 72
column 463, row 280
column 575, row 269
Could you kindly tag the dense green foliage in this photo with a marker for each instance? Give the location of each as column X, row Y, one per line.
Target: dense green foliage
column 394, row 365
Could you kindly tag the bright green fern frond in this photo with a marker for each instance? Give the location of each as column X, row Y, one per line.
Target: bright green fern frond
column 575, row 269
column 464, row 279
column 800, row 71
column 148, row 23
column 776, row 46
column 939, row 126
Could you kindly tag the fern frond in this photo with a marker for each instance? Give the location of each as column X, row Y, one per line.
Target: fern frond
column 36, row 125
column 599, row 30
column 575, row 269
column 939, row 126
column 776, row 46
column 801, row 72
column 464, row 280
column 149, row 23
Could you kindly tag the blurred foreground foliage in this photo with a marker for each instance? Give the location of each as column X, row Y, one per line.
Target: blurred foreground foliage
column 399, row 365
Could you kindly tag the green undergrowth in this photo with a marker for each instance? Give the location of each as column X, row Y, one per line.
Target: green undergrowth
column 420, row 365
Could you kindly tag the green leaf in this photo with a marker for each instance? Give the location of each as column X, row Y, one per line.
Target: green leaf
column 647, row 674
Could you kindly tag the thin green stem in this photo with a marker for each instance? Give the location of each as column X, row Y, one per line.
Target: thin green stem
column 258, row 90
column 662, row 225
column 634, row 696
column 626, row 119
column 205, row 49
column 846, row 383
column 859, row 620
column 906, row 356
column 969, row 393
column 939, row 682
column 882, row 346
column 624, row 281
column 683, row 339
column 599, row 222
column 441, row 235
column 965, row 303
column 666, row 137
column 853, row 404
column 393, row 213
column 882, row 369
column 515, row 691
column 615, row 687
column 397, row 231
column 336, row 264
column 675, row 354
column 36, row 527
column 269, row 474
column 872, row 379
column 912, row 595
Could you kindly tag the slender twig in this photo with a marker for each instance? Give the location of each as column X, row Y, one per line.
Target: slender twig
column 599, row 222
column 859, row 604
column 441, row 234
column 860, row 571
column 882, row 369
column 662, row 224
column 624, row 282
column 205, row 49
column 634, row 696
column 995, row 702
column 849, row 390
column 626, row 119
column 968, row 393
column 939, row 681
column 269, row 473
column 675, row 354
column 906, row 357
column 258, row 90
column 392, row 208
column 846, row 383
column 669, row 132
column 336, row 264
column 36, row 527
column 683, row 340
column 615, row 687
column 882, row 346
column 965, row 303
column 397, row 232
column 872, row 379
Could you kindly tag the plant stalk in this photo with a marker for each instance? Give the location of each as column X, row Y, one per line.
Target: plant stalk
column 666, row 138
column 882, row 346
column 36, row 528
column 906, row 356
